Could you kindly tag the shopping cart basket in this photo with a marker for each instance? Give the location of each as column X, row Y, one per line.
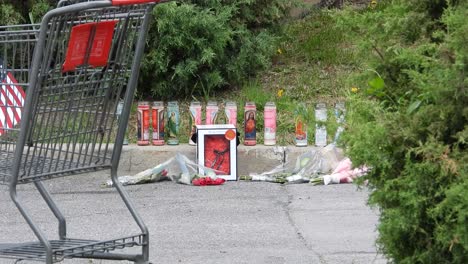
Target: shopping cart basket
column 61, row 81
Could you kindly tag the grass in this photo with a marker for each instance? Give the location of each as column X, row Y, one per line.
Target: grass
column 312, row 65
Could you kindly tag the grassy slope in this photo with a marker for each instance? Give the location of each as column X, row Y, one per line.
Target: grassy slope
column 312, row 65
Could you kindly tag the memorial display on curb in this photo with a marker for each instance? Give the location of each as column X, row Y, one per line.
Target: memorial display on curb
column 216, row 149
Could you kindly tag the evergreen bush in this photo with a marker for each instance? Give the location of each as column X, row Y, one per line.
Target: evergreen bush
column 198, row 47
column 195, row 47
column 13, row 12
column 8, row 14
column 410, row 125
column 186, row 46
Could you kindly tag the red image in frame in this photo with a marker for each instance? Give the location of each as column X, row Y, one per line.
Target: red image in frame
column 218, row 154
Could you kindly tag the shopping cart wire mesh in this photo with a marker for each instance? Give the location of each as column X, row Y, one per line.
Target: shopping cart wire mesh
column 60, row 84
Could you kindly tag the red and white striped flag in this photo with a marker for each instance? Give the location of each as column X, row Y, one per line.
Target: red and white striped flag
column 11, row 99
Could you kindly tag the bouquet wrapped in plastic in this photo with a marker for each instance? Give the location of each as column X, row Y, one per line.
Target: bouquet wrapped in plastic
column 343, row 173
column 307, row 166
column 188, row 174
column 158, row 173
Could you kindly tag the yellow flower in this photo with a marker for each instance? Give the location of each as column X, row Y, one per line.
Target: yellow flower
column 373, row 4
column 280, row 92
column 354, row 89
column 279, row 51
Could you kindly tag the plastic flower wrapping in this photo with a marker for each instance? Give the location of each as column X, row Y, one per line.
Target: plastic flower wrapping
column 319, row 166
column 187, row 174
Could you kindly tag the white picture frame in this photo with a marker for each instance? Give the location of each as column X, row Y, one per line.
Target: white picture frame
column 217, row 150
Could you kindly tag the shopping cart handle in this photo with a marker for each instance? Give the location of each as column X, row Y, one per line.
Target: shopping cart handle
column 132, row 2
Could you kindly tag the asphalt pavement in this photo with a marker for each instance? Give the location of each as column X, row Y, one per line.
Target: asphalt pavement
column 238, row 222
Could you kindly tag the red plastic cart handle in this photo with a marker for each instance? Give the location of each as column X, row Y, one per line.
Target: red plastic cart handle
column 132, row 2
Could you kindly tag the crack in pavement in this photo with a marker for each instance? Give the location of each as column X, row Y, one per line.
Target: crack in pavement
column 298, row 232
column 289, row 207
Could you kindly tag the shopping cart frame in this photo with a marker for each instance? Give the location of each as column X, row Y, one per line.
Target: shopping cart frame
column 51, row 251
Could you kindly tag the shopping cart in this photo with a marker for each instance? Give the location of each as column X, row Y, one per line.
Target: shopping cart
column 61, row 81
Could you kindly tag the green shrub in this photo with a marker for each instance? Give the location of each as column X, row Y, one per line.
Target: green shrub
column 39, row 8
column 186, row 45
column 8, row 15
column 198, row 47
column 252, row 14
column 18, row 12
column 410, row 124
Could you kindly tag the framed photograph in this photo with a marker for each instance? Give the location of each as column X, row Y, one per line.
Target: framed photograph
column 217, row 150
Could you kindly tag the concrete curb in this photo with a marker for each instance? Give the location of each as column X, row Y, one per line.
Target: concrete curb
column 250, row 159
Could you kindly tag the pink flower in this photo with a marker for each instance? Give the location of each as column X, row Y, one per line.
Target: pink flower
column 344, row 173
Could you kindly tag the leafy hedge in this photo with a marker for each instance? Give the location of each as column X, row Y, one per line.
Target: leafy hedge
column 198, row 47
column 8, row 14
column 195, row 47
column 409, row 122
column 14, row 12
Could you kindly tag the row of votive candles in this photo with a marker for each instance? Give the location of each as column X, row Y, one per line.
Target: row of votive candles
column 165, row 122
